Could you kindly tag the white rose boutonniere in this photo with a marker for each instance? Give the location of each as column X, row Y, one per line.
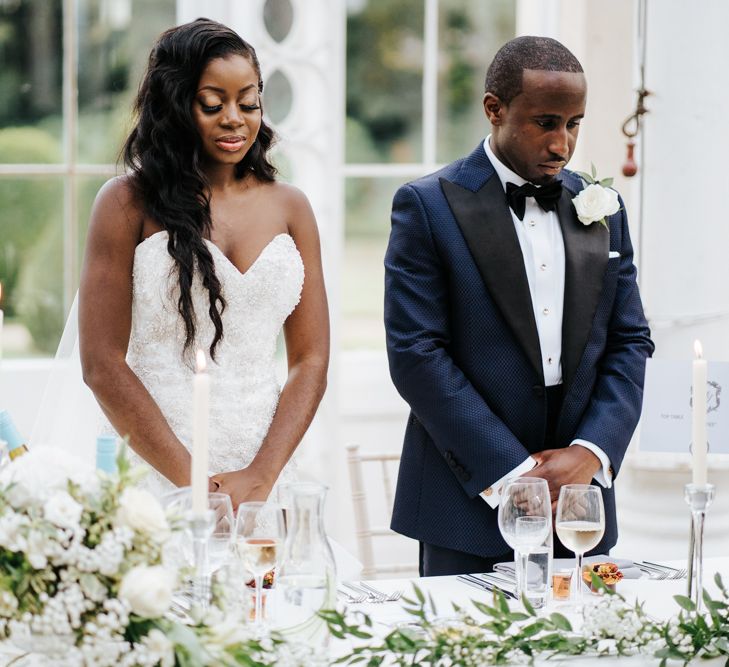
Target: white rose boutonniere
column 597, row 201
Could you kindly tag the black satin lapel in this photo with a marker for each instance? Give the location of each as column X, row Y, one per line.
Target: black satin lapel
column 586, row 249
column 488, row 228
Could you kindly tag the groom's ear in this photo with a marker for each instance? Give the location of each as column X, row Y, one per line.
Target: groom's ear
column 494, row 108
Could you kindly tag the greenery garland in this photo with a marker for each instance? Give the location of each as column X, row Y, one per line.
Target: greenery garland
column 612, row 626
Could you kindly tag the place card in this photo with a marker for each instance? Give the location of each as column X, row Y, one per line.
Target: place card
column 666, row 417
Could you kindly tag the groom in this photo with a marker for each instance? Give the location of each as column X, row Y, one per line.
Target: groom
column 514, row 331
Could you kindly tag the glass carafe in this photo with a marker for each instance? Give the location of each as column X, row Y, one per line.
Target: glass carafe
column 306, row 581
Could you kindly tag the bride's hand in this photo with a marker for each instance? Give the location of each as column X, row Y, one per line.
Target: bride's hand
column 243, row 486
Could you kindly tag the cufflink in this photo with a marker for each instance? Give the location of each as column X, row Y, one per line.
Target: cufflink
column 487, row 492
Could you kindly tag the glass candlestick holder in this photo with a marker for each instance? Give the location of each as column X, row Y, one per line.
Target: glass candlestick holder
column 698, row 497
column 201, row 528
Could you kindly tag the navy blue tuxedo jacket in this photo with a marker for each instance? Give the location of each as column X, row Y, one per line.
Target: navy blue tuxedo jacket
column 464, row 351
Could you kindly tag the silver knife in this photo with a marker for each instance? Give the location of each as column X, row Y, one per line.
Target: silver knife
column 480, row 583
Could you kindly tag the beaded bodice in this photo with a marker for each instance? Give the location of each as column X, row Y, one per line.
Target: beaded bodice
column 244, row 389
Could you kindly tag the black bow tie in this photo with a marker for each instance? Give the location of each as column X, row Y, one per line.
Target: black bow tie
column 547, row 196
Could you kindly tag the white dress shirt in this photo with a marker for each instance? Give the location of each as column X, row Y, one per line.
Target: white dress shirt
column 542, row 247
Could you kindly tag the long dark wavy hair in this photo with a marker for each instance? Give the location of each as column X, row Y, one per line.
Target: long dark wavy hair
column 164, row 152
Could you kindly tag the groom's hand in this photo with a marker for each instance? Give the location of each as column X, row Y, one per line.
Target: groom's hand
column 243, row 486
column 569, row 465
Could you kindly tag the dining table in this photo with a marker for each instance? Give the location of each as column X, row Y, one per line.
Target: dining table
column 657, row 595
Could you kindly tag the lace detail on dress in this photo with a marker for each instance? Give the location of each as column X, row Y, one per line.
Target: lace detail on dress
column 244, row 389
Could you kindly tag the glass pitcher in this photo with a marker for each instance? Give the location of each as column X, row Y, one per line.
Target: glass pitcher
column 306, row 581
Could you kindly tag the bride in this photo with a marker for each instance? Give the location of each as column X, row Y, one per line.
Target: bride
column 199, row 247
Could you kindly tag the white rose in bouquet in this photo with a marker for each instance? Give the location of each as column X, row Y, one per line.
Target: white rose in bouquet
column 62, row 510
column 160, row 648
column 141, row 511
column 36, row 549
column 148, row 590
column 11, row 531
column 41, row 472
column 595, row 203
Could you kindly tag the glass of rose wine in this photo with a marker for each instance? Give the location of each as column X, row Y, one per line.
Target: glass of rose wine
column 580, row 524
column 259, row 537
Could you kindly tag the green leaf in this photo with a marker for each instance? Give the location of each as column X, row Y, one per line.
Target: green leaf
column 607, row 182
column 485, row 609
column 593, row 170
column 528, row 606
column 684, row 602
column 515, row 616
column 419, row 594
column 432, row 604
column 501, row 601
column 533, row 629
column 585, row 177
column 560, row 621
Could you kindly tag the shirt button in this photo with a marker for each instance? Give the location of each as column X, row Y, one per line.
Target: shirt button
column 543, row 267
column 549, row 360
column 545, row 311
column 532, row 223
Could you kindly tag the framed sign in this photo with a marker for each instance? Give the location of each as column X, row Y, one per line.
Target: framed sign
column 666, row 417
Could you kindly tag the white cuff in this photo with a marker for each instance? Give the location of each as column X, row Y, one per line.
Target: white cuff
column 492, row 495
column 604, row 476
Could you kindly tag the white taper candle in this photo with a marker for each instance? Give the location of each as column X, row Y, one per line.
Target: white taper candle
column 200, row 418
column 699, row 443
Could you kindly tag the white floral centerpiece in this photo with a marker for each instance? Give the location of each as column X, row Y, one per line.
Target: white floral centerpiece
column 83, row 578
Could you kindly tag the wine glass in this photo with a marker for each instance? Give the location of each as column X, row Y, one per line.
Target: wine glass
column 259, row 537
column 580, row 523
column 179, row 502
column 525, row 520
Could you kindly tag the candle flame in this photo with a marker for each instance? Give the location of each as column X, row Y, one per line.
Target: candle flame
column 698, row 350
column 201, row 363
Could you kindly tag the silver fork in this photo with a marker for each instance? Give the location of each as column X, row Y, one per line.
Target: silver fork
column 349, row 597
column 385, row 597
column 673, row 572
column 369, row 596
column 660, row 572
column 654, row 574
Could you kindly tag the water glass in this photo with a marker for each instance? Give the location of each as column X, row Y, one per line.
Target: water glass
column 179, row 502
column 525, row 521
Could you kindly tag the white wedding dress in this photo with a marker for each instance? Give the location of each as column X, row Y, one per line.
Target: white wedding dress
column 244, row 389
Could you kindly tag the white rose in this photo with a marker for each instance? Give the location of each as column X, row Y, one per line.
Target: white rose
column 141, row 511
column 595, row 203
column 160, row 647
column 36, row 551
column 62, row 510
column 44, row 470
column 148, row 590
column 11, row 531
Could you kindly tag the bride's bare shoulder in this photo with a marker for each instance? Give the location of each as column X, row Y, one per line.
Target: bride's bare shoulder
column 118, row 208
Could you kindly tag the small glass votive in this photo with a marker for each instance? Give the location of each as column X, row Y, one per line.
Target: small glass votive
column 561, row 582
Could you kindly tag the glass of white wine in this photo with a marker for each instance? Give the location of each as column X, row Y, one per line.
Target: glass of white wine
column 580, row 523
column 525, row 521
column 259, row 536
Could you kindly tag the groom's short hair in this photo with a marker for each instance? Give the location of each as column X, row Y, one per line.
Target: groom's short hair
column 505, row 73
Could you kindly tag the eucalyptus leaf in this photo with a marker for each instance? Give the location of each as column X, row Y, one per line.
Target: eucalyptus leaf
column 685, row 602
